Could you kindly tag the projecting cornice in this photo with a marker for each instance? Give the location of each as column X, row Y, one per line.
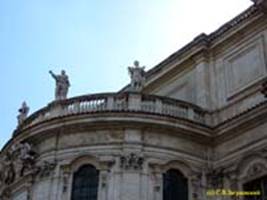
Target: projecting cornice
column 262, row 4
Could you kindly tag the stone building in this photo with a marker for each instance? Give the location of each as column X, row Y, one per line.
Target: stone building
column 196, row 121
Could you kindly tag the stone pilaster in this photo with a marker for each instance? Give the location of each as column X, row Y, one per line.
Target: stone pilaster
column 201, row 80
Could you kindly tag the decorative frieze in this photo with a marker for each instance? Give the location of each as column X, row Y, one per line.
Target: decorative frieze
column 131, row 162
column 45, row 169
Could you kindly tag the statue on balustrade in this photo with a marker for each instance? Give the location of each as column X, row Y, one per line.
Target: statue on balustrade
column 137, row 75
column 62, row 85
column 23, row 113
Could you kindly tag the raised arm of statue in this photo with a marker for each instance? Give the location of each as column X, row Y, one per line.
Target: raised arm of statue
column 52, row 74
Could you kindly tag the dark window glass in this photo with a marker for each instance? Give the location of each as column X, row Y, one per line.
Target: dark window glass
column 257, row 185
column 175, row 185
column 85, row 183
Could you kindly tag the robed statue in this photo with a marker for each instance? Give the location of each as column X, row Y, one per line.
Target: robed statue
column 137, row 75
column 62, row 85
column 23, row 113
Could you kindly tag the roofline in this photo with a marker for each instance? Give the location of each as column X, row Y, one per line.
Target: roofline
column 203, row 39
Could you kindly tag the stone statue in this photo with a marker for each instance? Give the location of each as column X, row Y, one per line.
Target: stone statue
column 17, row 162
column 26, row 156
column 137, row 75
column 62, row 85
column 23, row 113
column 9, row 170
column 25, row 150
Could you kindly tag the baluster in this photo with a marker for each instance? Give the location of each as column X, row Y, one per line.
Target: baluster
column 76, row 107
column 110, row 103
column 158, row 105
column 134, row 102
column 190, row 113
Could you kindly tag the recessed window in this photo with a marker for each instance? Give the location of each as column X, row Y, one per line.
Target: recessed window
column 175, row 186
column 85, row 183
column 257, row 185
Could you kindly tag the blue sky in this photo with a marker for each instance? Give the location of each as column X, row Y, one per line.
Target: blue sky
column 94, row 41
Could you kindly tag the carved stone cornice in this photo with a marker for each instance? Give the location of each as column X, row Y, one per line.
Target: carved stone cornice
column 262, row 4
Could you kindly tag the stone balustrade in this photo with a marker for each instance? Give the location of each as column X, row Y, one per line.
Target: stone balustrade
column 117, row 102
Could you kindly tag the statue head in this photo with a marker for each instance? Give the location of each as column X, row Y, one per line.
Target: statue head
column 63, row 72
column 136, row 63
column 24, row 104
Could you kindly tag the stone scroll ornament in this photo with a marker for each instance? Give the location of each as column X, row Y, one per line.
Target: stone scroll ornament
column 137, row 75
column 131, row 162
column 62, row 85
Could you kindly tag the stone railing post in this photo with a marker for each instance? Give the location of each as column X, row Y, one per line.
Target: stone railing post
column 158, row 106
column 110, row 102
column 56, row 109
column 208, row 119
column 76, row 108
column 190, row 113
column 134, row 102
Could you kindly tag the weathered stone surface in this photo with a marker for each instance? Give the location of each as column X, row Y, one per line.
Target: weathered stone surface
column 209, row 122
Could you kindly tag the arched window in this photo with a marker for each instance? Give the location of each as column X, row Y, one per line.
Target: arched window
column 175, row 185
column 259, row 184
column 85, row 183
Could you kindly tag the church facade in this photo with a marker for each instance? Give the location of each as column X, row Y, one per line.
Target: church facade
column 194, row 127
